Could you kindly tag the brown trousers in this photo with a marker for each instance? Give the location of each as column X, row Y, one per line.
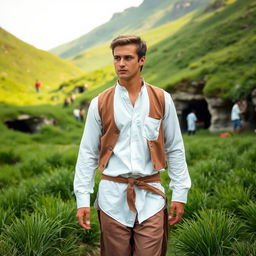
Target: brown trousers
column 148, row 238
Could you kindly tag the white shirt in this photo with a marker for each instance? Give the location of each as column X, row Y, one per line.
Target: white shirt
column 76, row 112
column 191, row 121
column 235, row 112
column 130, row 158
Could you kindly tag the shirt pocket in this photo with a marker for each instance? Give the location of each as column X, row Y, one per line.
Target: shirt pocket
column 151, row 128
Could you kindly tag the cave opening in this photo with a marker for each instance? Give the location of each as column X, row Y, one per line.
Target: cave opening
column 202, row 113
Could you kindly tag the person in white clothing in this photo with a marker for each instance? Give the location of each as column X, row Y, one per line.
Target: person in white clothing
column 191, row 122
column 235, row 117
column 131, row 131
column 76, row 113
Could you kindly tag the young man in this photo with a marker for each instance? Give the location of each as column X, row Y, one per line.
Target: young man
column 131, row 131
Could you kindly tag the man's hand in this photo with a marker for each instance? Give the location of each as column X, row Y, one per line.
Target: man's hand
column 83, row 217
column 176, row 212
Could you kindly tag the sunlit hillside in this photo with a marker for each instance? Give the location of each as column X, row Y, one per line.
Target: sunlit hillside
column 21, row 64
column 150, row 14
column 98, row 57
column 216, row 44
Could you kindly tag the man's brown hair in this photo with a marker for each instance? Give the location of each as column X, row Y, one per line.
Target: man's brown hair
column 130, row 39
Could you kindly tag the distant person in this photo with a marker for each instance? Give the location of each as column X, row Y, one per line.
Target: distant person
column 76, row 113
column 82, row 114
column 72, row 98
column 235, row 117
column 66, row 102
column 191, row 122
column 38, row 86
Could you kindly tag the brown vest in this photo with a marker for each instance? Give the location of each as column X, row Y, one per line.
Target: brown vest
column 110, row 132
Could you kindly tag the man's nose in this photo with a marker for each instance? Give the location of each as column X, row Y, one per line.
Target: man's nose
column 122, row 62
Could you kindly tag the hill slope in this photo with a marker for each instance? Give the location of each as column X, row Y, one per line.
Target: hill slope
column 216, row 44
column 149, row 14
column 21, row 64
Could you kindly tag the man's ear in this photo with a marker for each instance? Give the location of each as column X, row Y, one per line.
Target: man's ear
column 142, row 60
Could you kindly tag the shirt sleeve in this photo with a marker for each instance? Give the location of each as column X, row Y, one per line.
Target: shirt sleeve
column 87, row 160
column 175, row 153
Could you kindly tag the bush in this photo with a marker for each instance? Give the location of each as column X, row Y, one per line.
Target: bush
column 210, row 234
column 33, row 167
column 54, row 208
column 36, row 235
column 232, row 196
column 244, row 249
column 198, row 200
column 9, row 175
column 248, row 214
column 5, row 217
column 9, row 157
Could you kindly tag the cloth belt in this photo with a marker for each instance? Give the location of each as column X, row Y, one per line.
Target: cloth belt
column 140, row 182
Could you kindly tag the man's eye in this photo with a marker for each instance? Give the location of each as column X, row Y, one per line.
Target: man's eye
column 116, row 58
column 128, row 57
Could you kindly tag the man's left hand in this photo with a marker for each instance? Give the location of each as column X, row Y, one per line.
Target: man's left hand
column 176, row 212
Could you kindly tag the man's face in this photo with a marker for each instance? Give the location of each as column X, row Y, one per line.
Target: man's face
column 126, row 62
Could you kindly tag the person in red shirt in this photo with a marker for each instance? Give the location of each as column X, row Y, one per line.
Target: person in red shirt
column 38, row 86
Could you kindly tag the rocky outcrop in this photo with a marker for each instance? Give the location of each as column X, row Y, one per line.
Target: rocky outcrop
column 29, row 124
column 213, row 113
column 220, row 114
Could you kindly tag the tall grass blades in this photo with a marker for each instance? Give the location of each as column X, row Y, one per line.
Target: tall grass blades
column 210, row 234
column 248, row 214
column 59, row 183
column 36, row 235
column 6, row 216
column 198, row 200
column 64, row 212
column 244, row 249
column 232, row 196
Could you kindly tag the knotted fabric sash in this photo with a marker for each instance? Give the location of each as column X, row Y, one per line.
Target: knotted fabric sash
column 140, row 182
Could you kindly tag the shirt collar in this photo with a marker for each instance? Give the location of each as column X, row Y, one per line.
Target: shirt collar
column 123, row 89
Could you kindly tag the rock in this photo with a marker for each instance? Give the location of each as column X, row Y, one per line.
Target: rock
column 220, row 110
column 29, row 124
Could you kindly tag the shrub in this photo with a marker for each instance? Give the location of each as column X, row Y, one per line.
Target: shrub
column 210, row 234
column 197, row 200
column 9, row 175
column 54, row 208
column 9, row 157
column 60, row 182
column 5, row 217
column 33, row 167
column 248, row 214
column 232, row 196
column 244, row 249
column 16, row 198
column 36, row 235
column 56, row 160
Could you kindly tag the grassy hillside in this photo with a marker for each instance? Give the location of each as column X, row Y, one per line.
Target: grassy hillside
column 98, row 57
column 148, row 15
column 217, row 44
column 21, row 64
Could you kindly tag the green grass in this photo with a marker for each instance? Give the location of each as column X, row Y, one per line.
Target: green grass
column 223, row 178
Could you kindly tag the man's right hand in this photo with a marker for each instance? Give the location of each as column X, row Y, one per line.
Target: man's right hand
column 83, row 217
